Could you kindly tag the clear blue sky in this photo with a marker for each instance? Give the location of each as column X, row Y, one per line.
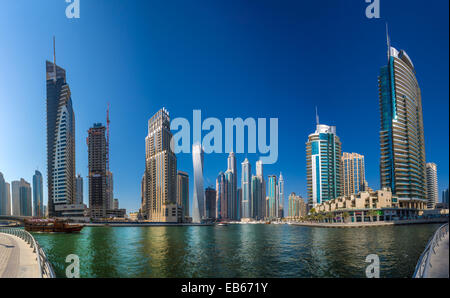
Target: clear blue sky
column 236, row 58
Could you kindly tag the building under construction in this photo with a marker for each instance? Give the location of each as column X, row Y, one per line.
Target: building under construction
column 98, row 171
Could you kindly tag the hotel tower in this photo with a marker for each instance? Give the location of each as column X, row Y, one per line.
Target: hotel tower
column 60, row 138
column 402, row 144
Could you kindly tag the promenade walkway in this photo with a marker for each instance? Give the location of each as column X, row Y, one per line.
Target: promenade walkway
column 439, row 261
column 17, row 259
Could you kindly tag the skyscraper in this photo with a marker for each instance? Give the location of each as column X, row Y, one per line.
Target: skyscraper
column 183, row 193
column 221, row 197
column 256, row 197
column 272, row 195
column 25, row 208
column 98, row 196
column 38, row 195
column 281, row 197
column 79, row 190
column 3, row 202
column 246, row 189
column 231, row 203
column 297, row 206
column 432, row 185
column 8, row 199
column 232, row 167
column 353, row 173
column 445, row 197
column 60, row 138
column 15, row 198
column 160, row 171
column 210, row 203
column 199, row 192
column 402, row 144
column 262, row 192
column 323, row 165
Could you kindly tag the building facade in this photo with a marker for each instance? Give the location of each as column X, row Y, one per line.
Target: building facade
column 402, row 143
column 222, row 197
column 296, row 207
column 198, row 208
column 60, row 139
column 232, row 167
column 323, row 165
column 183, row 193
column 38, row 195
column 3, row 203
column 79, row 190
column 25, row 205
column 272, row 195
column 210, row 203
column 160, row 172
column 432, row 185
column 353, row 173
column 15, row 197
column 281, row 196
column 262, row 191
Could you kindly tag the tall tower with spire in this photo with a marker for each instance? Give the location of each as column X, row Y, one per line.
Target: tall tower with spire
column 60, row 138
column 402, row 143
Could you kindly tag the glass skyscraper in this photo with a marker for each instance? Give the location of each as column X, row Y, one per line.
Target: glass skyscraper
column 183, row 192
column 272, row 194
column 432, row 185
column 323, row 165
column 38, row 195
column 60, row 139
column 3, row 202
column 402, row 144
column 233, row 168
column 198, row 207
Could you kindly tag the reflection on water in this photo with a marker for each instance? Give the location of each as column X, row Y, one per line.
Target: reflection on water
column 238, row 251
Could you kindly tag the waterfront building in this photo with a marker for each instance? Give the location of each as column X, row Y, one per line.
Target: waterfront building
column 3, row 203
column 255, row 197
column 272, row 197
column 445, row 197
column 323, row 165
column 232, row 167
column 79, row 190
column 221, row 197
column 109, row 185
column 25, row 198
column 402, row 143
column 296, row 207
column 281, row 197
column 231, row 199
column 8, row 199
column 183, row 193
column 239, row 203
column 353, row 173
column 160, row 172
column 210, row 203
column 116, row 204
column 246, row 190
column 432, row 185
column 60, row 138
column 38, row 195
column 15, row 198
column 198, row 208
column 262, row 191
column 98, row 175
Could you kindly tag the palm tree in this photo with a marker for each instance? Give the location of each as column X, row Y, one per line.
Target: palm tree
column 371, row 214
column 345, row 215
column 330, row 217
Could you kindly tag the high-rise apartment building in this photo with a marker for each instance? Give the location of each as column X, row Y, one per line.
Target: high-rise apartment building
column 222, row 197
column 60, row 139
column 25, row 205
column 8, row 199
column 445, row 197
column 297, row 207
column 160, row 172
column 210, row 203
column 183, row 193
column 272, row 197
column 232, row 167
column 38, row 195
column 198, row 208
column 432, row 185
column 247, row 211
column 256, row 197
column 402, row 143
column 262, row 193
column 79, row 190
column 353, row 173
column 281, row 196
column 15, row 197
column 98, row 179
column 323, row 165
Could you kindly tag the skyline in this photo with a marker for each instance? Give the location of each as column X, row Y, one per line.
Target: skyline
column 128, row 171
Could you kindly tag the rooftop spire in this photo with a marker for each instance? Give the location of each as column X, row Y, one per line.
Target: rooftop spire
column 317, row 117
column 388, row 40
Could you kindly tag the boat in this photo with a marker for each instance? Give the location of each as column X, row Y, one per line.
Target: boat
column 222, row 224
column 51, row 226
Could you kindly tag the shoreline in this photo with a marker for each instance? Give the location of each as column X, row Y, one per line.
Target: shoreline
column 373, row 224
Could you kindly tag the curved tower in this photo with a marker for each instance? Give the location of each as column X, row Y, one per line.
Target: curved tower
column 402, row 145
column 198, row 211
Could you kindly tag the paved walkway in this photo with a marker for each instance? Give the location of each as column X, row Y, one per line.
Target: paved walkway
column 17, row 259
column 439, row 261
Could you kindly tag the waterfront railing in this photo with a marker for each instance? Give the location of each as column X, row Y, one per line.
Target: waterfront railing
column 423, row 265
column 45, row 267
